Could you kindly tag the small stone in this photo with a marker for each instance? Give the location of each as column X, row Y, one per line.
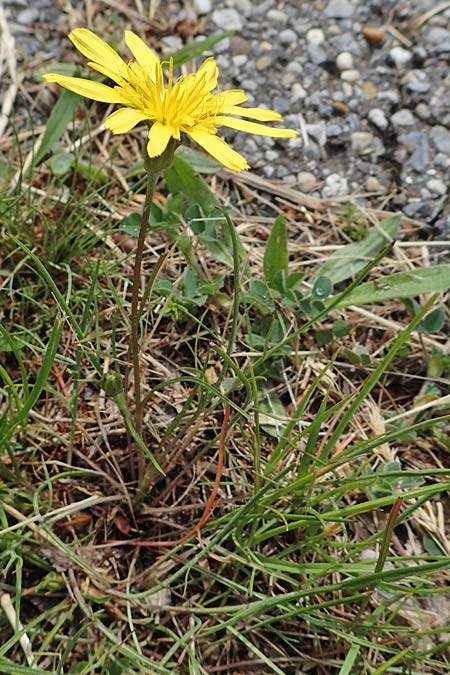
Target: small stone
column 378, row 118
column 417, row 81
column 400, row 56
column 271, row 155
column 287, row 37
column 315, row 36
column 369, row 89
column 422, row 111
column 306, row 181
column 390, row 95
column 344, row 61
column 374, row 185
column 437, row 36
column 340, row 108
column 297, row 92
column 27, row 16
column 351, row 75
column 317, row 55
column 281, row 105
column 244, row 7
column 361, row 141
column 403, row 118
column 339, row 9
column 294, row 67
column 223, row 46
column 264, row 62
column 171, row 43
column 202, row 6
column 373, row 34
column 277, row 16
column 442, row 161
column 417, row 143
column 227, row 19
column 437, row 186
column 335, row 186
column 441, row 138
column 239, row 60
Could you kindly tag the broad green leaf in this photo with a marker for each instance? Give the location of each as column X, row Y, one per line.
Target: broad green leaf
column 181, row 177
column 61, row 163
column 272, row 414
column 60, row 118
column 434, row 321
column 323, row 287
column 276, row 253
column 400, row 285
column 347, row 261
column 195, row 49
column 201, row 162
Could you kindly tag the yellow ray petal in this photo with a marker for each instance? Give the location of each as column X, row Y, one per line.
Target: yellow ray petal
column 253, row 127
column 233, row 97
column 141, row 52
column 121, row 121
column 96, row 49
column 261, row 114
column 219, row 150
column 209, row 72
column 93, row 90
column 158, row 137
column 107, row 72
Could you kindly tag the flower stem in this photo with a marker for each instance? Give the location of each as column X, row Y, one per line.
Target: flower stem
column 135, row 346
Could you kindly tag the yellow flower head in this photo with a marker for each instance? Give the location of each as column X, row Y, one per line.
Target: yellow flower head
column 169, row 107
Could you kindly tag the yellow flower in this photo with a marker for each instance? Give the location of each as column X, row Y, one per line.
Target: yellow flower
column 170, row 109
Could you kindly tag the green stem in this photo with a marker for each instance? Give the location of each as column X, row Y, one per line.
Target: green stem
column 134, row 318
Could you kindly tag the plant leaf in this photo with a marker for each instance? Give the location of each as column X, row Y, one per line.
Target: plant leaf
column 195, row 49
column 276, row 253
column 60, row 118
column 400, row 285
column 347, row 261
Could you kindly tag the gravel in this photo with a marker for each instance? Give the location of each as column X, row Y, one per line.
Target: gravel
column 368, row 91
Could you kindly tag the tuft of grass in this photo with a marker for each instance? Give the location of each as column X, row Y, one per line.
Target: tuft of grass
column 299, row 524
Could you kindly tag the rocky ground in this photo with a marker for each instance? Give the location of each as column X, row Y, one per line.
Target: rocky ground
column 366, row 83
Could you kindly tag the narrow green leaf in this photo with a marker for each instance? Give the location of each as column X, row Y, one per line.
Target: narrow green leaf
column 60, row 118
column 347, row 261
column 276, row 253
column 400, row 285
column 197, row 48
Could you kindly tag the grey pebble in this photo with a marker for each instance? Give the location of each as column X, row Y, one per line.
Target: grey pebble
column 227, row 19
column 344, row 61
column 202, row 6
column 400, row 56
column 27, row 16
column 441, row 138
column 277, row 16
column 361, row 141
column 335, row 186
column 287, row 36
column 378, row 118
column 315, row 36
column 339, row 9
column 306, row 181
column 417, row 142
column 351, row 75
column 297, row 92
column 403, row 118
column 437, row 186
column 244, row 7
